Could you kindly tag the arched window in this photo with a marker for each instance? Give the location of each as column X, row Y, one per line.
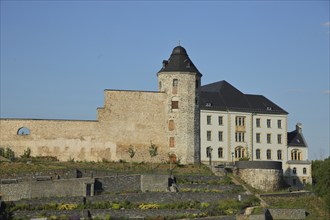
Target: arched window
column 296, row 154
column 279, row 155
column 208, row 152
column 220, row 152
column 304, row 170
column 175, row 86
column 269, row 154
column 240, row 152
column 294, row 170
column 23, row 131
column 258, row 153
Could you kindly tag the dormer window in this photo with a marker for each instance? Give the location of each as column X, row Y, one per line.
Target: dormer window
column 208, row 104
column 269, row 108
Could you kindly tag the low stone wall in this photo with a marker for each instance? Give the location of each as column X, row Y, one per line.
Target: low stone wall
column 286, row 214
column 51, row 188
column 118, row 183
column 262, row 175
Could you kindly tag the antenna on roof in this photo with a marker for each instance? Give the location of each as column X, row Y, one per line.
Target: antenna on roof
column 179, row 43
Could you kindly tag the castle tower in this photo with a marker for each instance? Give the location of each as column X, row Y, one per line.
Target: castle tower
column 180, row 80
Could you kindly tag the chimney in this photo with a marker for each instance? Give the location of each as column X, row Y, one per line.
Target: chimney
column 299, row 128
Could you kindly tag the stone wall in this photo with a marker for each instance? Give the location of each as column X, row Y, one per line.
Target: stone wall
column 37, row 189
column 263, row 175
column 286, row 214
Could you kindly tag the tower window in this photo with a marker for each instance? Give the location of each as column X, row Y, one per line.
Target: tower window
column 304, row 170
column 172, row 143
column 171, row 125
column 23, row 131
column 175, row 82
column 175, row 104
column 294, row 171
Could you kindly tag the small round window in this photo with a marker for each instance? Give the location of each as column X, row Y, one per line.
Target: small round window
column 23, row 131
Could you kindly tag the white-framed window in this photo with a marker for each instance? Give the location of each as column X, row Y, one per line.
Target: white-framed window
column 220, row 152
column 240, row 121
column 294, row 170
column 258, row 137
column 208, row 152
column 279, row 123
column 208, row 135
column 258, row 154
column 279, row 155
column 240, row 152
column 208, row 119
column 240, row 137
column 269, row 154
column 269, row 138
column 279, row 139
column 220, row 135
column 269, row 123
column 258, row 122
column 220, row 120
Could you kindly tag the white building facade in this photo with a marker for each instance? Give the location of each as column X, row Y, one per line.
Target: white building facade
column 237, row 126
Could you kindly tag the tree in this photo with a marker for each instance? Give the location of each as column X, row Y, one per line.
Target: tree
column 153, row 151
column 131, row 151
column 321, row 179
column 27, row 153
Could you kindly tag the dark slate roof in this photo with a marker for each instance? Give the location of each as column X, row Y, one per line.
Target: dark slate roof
column 223, row 96
column 296, row 139
column 179, row 61
column 299, row 162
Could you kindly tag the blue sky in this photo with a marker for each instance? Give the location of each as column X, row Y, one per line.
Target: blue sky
column 57, row 57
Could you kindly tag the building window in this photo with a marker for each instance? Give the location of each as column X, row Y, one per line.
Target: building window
column 258, row 122
column 304, row 170
column 208, row 152
column 294, row 170
column 208, row 119
column 220, row 136
column 269, row 123
column 172, row 142
column 220, row 120
column 258, row 137
column 258, row 153
column 296, row 155
column 269, row 138
column 23, row 131
column 175, row 82
column 220, row 152
column 160, row 86
column 175, row 86
column 175, row 104
column 239, row 152
column 208, row 135
column 240, row 121
column 279, row 139
column 279, row 155
column 239, row 136
column 171, row 125
column 279, row 124
column 269, row 154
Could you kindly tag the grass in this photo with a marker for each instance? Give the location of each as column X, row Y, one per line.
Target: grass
column 314, row 206
column 111, row 167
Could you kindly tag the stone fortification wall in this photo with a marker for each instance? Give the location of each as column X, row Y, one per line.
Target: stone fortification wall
column 286, row 214
column 64, row 139
column 134, row 118
column 262, row 175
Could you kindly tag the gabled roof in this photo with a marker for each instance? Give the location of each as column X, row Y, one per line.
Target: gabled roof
column 296, row 138
column 223, row 96
column 179, row 61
